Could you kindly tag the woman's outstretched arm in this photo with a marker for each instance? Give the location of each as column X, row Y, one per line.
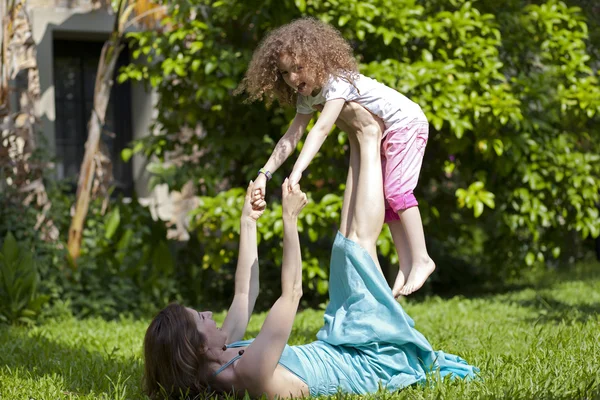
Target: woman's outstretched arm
column 258, row 365
column 246, row 272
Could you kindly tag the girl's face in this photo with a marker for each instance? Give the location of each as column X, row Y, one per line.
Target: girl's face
column 295, row 75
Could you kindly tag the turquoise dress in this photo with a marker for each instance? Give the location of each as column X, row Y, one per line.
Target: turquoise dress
column 368, row 340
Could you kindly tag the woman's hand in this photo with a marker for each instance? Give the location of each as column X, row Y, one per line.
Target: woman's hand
column 294, row 179
column 252, row 209
column 293, row 200
column 260, row 189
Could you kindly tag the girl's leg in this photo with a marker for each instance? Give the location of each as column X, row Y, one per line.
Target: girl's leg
column 404, row 255
column 403, row 152
column 421, row 265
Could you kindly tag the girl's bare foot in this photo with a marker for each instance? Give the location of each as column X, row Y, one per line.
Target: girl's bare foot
column 417, row 277
column 399, row 283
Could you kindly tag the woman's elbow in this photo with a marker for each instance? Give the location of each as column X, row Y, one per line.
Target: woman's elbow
column 297, row 292
column 293, row 294
column 323, row 132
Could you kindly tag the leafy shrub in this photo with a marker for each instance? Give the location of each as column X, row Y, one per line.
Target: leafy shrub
column 216, row 223
column 511, row 172
column 126, row 264
column 20, row 301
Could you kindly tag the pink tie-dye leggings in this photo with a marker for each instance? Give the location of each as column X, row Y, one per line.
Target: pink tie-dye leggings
column 402, row 153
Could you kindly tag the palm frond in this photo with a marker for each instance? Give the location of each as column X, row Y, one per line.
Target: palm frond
column 150, row 17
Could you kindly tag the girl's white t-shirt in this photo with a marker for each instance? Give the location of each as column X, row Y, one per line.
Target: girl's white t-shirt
column 392, row 107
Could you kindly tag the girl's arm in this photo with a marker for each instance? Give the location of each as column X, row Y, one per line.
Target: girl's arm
column 246, row 272
column 257, row 366
column 288, row 142
column 286, row 145
column 316, row 137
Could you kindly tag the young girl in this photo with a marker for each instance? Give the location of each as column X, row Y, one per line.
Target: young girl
column 307, row 63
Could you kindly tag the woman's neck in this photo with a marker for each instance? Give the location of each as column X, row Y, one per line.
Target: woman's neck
column 216, row 359
column 221, row 381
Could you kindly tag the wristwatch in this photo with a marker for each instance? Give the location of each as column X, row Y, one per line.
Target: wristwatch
column 268, row 174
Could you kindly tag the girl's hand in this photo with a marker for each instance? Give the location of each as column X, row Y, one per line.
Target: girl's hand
column 260, row 188
column 294, row 179
column 293, row 199
column 252, row 209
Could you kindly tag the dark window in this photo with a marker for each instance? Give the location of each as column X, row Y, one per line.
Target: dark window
column 75, row 67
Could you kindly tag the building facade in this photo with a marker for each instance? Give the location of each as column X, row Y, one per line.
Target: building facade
column 69, row 35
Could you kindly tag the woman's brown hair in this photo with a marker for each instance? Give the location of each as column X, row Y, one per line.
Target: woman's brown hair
column 173, row 355
column 320, row 48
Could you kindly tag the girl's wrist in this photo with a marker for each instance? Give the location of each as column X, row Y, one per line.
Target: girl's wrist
column 266, row 173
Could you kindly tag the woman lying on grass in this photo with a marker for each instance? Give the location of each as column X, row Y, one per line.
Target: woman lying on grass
column 367, row 339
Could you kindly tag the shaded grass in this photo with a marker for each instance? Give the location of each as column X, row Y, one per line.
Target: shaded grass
column 538, row 342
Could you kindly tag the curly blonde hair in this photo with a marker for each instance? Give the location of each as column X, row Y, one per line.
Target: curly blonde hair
column 320, row 48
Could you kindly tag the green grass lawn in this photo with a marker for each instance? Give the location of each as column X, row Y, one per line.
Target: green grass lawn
column 541, row 341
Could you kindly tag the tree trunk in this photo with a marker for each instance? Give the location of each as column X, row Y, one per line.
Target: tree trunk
column 18, row 121
column 6, row 16
column 106, row 69
column 104, row 82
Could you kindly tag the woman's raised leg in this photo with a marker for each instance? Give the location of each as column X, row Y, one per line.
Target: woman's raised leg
column 363, row 209
column 351, row 179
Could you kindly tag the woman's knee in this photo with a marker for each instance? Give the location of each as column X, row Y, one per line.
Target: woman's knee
column 370, row 132
column 361, row 121
column 366, row 240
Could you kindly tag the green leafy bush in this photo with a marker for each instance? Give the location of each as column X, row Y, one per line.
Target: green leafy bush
column 127, row 265
column 20, row 301
column 216, row 223
column 511, row 172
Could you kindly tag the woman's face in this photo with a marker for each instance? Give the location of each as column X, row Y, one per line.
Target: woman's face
column 215, row 338
column 295, row 75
